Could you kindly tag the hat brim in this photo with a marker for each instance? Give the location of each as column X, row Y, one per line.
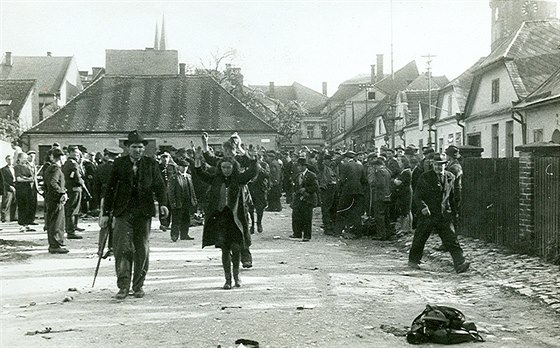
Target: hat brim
column 127, row 142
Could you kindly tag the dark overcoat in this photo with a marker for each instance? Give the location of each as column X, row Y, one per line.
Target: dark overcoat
column 239, row 209
column 437, row 196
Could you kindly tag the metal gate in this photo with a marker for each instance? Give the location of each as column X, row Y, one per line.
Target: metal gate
column 547, row 207
column 490, row 200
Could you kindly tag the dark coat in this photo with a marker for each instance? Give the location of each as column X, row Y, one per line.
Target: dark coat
column 403, row 192
column 380, row 183
column 55, row 186
column 8, row 180
column 352, row 178
column 438, row 197
column 119, row 189
column 238, row 206
column 101, row 180
column 310, row 186
column 72, row 174
column 181, row 192
column 259, row 186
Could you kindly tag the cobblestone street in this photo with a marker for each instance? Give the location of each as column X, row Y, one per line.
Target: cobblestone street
column 326, row 293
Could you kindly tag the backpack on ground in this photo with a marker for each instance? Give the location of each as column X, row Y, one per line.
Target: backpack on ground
column 444, row 325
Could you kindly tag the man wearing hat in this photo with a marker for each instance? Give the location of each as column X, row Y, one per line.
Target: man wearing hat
column 101, row 180
column 435, row 201
column 182, row 201
column 134, row 181
column 74, row 184
column 328, row 179
column 305, row 199
column 350, row 205
column 55, row 199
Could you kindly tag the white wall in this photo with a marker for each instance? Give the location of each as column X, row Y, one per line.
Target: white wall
column 546, row 118
column 484, row 126
column 483, row 100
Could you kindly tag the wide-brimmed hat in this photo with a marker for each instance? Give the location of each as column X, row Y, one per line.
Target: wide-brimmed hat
column 135, row 138
column 181, row 162
column 56, row 152
column 302, row 159
column 114, row 150
column 452, row 150
column 399, row 147
column 439, row 158
column 426, row 150
column 350, row 154
column 30, row 152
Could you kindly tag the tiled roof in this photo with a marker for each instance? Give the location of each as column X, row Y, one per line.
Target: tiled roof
column 403, row 77
column 16, row 92
column 48, row 71
column 153, row 104
column 148, row 62
column 549, row 90
column 462, row 84
column 344, row 92
column 421, row 83
column 416, row 98
column 531, row 54
column 296, row 92
column 379, row 109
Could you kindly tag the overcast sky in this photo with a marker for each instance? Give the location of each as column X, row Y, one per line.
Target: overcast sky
column 282, row 41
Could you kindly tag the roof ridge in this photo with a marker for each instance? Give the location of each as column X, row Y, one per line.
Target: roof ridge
column 506, row 53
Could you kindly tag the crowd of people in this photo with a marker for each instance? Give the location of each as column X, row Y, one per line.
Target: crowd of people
column 374, row 195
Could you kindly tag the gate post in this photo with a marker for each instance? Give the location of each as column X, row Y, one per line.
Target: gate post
column 470, row 151
column 527, row 155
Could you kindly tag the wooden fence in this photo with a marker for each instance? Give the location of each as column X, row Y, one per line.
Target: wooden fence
column 547, row 207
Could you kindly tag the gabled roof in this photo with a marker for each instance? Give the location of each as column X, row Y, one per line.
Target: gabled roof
column 403, row 77
column 296, row 92
column 462, row 84
column 416, row 99
column 14, row 93
column 531, row 54
column 153, row 104
column 421, row 83
column 48, row 71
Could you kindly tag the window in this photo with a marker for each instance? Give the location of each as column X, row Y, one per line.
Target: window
column 371, row 95
column 509, row 139
column 538, row 135
column 450, row 139
column 324, row 132
column 310, row 132
column 495, row 140
column 440, row 145
column 473, row 139
column 458, row 139
column 495, row 91
column 449, row 105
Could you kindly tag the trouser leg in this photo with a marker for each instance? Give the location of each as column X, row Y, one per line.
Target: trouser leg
column 449, row 239
column 55, row 224
column 175, row 224
column 296, row 221
column 235, row 260
column 123, row 251
column 380, row 211
column 425, row 226
column 226, row 264
column 306, row 220
column 185, row 223
column 141, row 235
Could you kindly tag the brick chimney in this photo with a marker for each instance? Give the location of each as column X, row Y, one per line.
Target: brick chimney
column 182, row 68
column 271, row 91
column 325, row 89
column 372, row 78
column 8, row 59
column 49, row 54
column 380, row 67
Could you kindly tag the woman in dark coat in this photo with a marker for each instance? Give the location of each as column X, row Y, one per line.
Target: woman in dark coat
column 226, row 223
column 24, row 192
column 259, row 189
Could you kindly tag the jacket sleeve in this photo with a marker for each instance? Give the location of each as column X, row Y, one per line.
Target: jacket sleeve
column 250, row 173
column 54, row 182
column 172, row 190
column 203, row 175
column 111, row 191
column 159, row 186
column 419, row 194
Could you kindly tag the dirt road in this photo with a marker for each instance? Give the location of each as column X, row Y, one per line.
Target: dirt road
column 325, row 293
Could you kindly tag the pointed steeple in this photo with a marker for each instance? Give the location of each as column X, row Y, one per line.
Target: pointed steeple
column 156, row 38
column 162, row 39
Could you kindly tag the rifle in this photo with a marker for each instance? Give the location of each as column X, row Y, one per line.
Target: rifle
column 103, row 243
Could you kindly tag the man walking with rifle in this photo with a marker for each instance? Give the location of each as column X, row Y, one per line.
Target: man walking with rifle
column 134, row 181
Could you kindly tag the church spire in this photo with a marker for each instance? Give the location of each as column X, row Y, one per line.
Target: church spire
column 156, row 38
column 162, row 40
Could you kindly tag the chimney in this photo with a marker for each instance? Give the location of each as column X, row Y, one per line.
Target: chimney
column 8, row 59
column 238, row 77
column 325, row 89
column 95, row 71
column 271, row 89
column 372, row 78
column 49, row 54
column 182, row 68
column 380, row 67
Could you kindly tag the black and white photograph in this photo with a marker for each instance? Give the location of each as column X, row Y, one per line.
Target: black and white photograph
column 374, row 173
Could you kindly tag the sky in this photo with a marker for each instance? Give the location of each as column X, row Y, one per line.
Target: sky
column 282, row 41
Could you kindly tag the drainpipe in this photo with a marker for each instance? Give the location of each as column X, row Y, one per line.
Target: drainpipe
column 522, row 121
column 459, row 116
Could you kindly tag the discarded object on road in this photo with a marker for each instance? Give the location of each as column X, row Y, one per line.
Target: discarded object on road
column 47, row 330
column 444, row 325
column 243, row 342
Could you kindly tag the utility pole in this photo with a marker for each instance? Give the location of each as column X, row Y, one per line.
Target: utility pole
column 429, row 57
column 366, row 87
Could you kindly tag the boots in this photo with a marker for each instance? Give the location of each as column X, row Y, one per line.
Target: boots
column 236, row 259
column 226, row 264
